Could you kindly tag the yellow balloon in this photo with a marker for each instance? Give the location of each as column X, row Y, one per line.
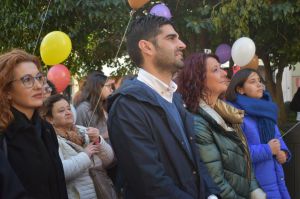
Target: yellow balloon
column 55, row 47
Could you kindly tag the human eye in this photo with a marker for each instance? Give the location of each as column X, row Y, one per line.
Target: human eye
column 40, row 77
column 26, row 79
column 216, row 69
column 252, row 81
column 172, row 37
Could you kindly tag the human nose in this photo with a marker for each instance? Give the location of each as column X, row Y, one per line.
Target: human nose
column 181, row 44
column 224, row 73
column 259, row 84
column 68, row 111
column 37, row 83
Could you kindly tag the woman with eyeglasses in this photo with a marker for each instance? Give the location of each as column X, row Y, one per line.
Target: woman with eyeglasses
column 91, row 109
column 30, row 143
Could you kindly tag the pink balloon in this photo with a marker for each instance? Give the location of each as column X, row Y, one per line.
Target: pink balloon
column 235, row 69
column 161, row 10
column 60, row 76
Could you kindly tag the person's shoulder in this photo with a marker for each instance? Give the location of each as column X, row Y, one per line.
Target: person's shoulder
column 46, row 125
column 199, row 119
column 135, row 93
column 83, row 105
column 125, row 101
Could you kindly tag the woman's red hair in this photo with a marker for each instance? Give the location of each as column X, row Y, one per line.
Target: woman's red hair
column 191, row 80
column 8, row 62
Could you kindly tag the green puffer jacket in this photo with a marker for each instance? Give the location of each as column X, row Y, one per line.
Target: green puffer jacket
column 221, row 152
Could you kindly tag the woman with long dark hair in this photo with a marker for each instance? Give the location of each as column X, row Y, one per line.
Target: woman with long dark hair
column 90, row 112
column 222, row 145
column 31, row 143
column 267, row 148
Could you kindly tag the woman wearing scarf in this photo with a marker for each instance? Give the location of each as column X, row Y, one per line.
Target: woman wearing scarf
column 222, row 145
column 80, row 148
column 268, row 150
column 29, row 143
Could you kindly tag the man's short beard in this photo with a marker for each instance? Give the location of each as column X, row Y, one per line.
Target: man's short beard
column 162, row 65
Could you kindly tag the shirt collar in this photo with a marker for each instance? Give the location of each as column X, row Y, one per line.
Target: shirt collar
column 164, row 90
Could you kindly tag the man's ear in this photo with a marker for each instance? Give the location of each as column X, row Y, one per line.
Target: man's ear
column 146, row 47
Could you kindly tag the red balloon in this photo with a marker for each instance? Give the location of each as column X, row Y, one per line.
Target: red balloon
column 60, row 76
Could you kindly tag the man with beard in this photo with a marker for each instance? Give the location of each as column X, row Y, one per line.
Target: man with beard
column 150, row 131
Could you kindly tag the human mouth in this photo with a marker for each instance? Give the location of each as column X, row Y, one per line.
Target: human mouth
column 38, row 96
column 179, row 53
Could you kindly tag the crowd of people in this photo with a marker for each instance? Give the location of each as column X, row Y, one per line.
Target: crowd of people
column 180, row 129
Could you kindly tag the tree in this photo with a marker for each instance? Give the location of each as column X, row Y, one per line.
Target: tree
column 96, row 29
column 274, row 26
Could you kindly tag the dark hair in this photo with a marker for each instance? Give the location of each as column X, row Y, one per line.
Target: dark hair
column 191, row 79
column 91, row 92
column 52, row 86
column 238, row 80
column 143, row 28
column 8, row 62
column 46, row 109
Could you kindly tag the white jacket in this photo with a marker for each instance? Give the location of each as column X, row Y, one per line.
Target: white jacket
column 76, row 165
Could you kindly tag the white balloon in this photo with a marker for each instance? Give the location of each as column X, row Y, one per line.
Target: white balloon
column 242, row 51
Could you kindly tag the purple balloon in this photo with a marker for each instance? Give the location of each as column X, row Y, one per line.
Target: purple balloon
column 161, row 10
column 223, row 52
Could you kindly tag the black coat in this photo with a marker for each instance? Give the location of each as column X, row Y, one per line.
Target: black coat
column 149, row 147
column 10, row 185
column 32, row 151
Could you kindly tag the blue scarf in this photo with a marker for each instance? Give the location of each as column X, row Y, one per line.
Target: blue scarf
column 264, row 110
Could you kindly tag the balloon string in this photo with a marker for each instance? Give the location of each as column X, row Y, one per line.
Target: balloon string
column 177, row 5
column 126, row 29
column 44, row 18
column 290, row 130
column 122, row 40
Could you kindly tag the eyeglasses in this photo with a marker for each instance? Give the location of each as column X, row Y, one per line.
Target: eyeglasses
column 28, row 80
column 108, row 85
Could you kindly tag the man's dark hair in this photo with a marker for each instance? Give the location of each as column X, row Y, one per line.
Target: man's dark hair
column 147, row 28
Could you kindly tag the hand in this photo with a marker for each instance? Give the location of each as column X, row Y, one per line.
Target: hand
column 281, row 157
column 93, row 134
column 91, row 149
column 274, row 145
